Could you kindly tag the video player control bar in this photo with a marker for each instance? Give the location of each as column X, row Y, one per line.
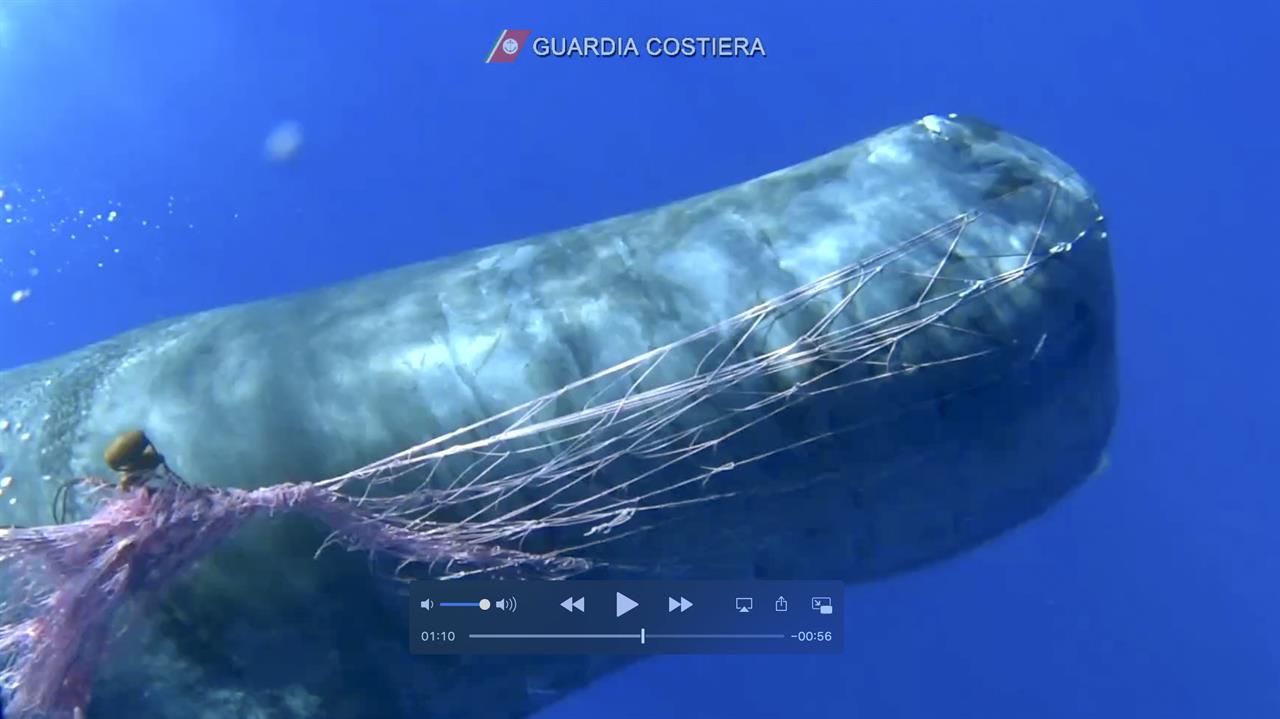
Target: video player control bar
column 626, row 617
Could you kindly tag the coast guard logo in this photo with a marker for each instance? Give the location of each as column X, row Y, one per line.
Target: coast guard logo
column 508, row 46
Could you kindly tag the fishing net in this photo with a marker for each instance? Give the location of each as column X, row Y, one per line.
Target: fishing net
column 607, row 455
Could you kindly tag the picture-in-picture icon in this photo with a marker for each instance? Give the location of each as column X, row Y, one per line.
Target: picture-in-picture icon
column 822, row 605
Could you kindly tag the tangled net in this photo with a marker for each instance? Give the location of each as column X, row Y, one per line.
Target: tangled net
column 469, row 501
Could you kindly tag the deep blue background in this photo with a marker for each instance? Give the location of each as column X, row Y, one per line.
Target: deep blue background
column 1151, row 592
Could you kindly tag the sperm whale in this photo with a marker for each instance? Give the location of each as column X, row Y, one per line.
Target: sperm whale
column 849, row 368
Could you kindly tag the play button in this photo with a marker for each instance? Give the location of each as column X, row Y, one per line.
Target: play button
column 625, row 604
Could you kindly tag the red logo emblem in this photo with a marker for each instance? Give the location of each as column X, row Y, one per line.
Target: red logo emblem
column 508, row 46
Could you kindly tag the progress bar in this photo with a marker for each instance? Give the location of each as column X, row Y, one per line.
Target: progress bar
column 642, row 636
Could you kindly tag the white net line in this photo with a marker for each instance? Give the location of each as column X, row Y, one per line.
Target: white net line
column 535, row 467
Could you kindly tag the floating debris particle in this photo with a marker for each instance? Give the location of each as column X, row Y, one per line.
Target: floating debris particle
column 283, row 142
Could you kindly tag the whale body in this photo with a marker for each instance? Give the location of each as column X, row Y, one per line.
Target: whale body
column 974, row 424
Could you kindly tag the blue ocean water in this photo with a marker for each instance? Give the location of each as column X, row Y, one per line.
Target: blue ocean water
column 1152, row 591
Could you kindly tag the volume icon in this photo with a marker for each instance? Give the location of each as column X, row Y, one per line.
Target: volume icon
column 507, row 604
